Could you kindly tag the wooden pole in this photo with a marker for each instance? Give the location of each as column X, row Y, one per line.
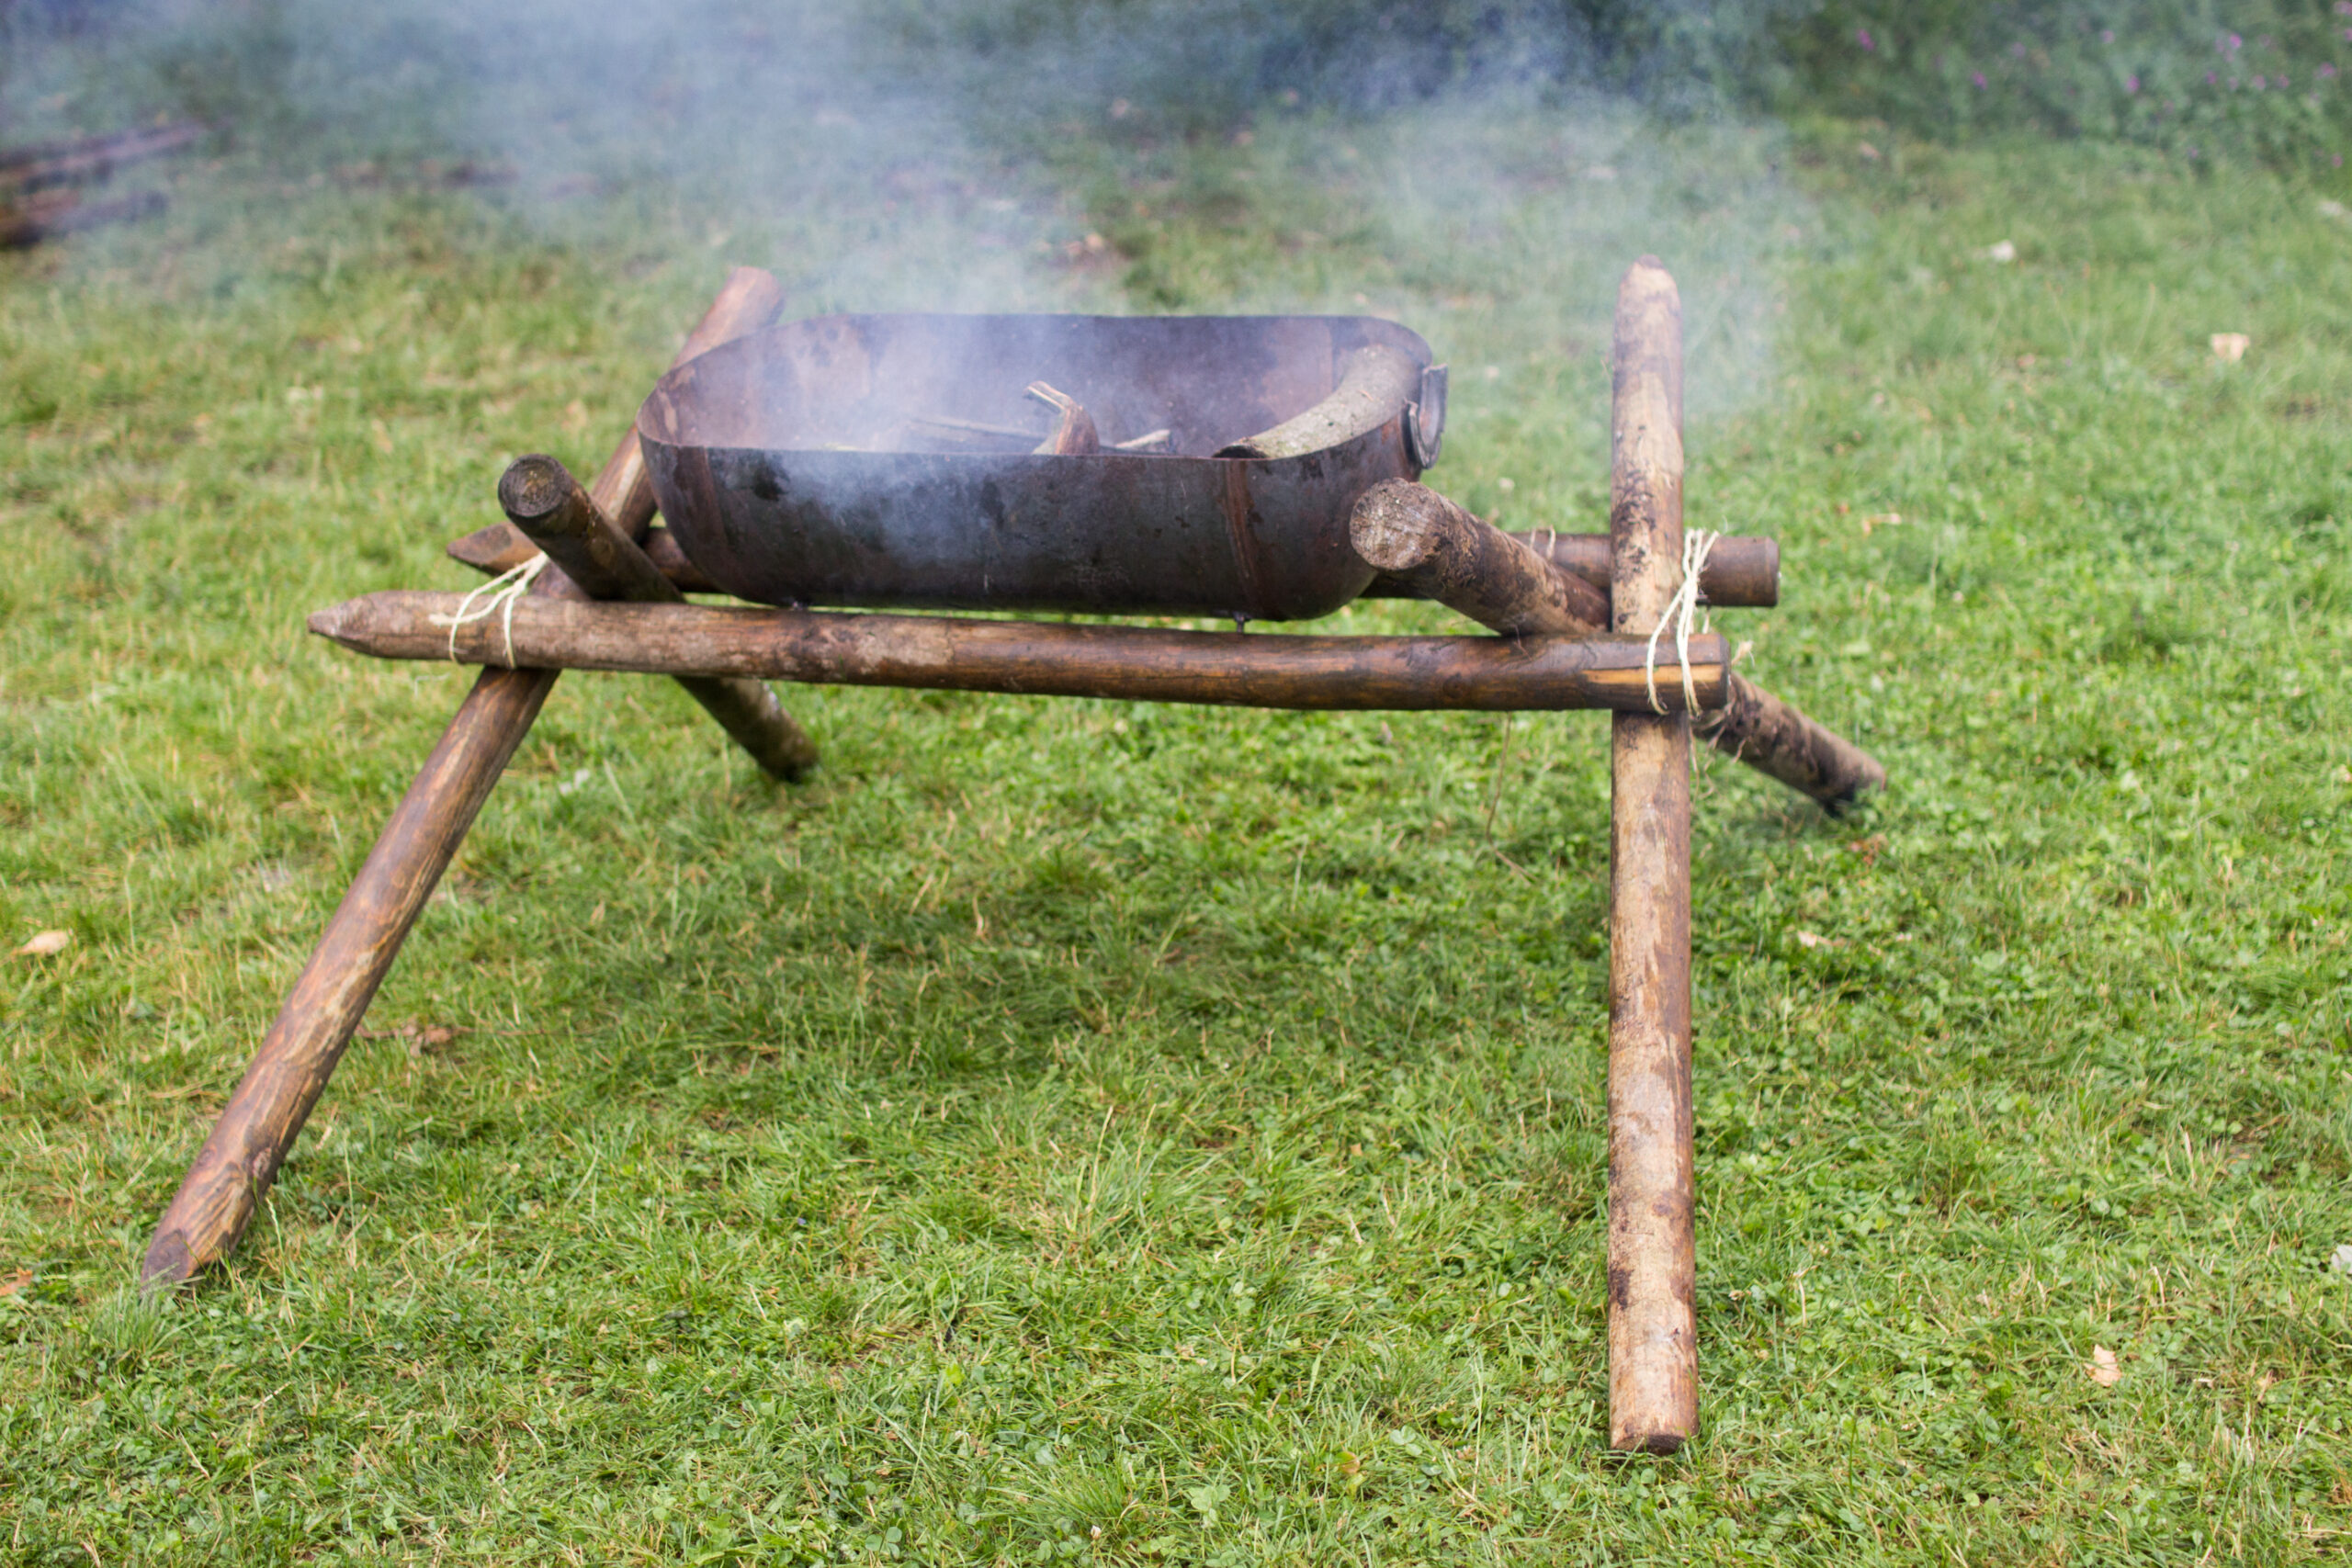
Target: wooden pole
column 502, row 547
column 1431, row 548
column 224, row 1185
column 547, row 503
column 1377, row 380
column 1439, row 551
column 1742, row 572
column 1653, row 1333
column 1042, row 659
column 1776, row 739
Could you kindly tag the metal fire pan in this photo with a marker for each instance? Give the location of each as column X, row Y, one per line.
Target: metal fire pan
column 886, row 460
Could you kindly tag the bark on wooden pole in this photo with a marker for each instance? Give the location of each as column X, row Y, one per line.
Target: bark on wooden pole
column 1759, row 729
column 502, row 547
column 1741, row 572
column 1429, row 548
column 224, row 1185
column 547, row 503
column 1439, row 551
column 1035, row 658
column 1653, row 1336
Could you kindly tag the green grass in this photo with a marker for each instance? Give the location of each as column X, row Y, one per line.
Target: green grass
column 1087, row 1131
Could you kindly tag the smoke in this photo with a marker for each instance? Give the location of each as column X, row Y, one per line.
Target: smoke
column 1474, row 171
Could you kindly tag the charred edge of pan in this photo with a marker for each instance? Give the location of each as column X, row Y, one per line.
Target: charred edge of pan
column 1237, row 511
column 691, row 474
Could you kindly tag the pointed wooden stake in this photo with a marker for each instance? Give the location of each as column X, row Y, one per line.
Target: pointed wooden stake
column 1653, row 1332
column 224, row 1187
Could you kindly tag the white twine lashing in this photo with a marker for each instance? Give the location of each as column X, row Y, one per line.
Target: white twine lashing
column 497, row 595
column 1679, row 610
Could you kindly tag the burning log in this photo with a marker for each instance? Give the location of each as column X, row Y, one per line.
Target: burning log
column 224, row 1185
column 1380, row 378
column 1074, row 436
column 1033, row 657
column 52, row 213
column 1436, row 550
column 548, row 504
column 1653, row 1260
column 92, row 157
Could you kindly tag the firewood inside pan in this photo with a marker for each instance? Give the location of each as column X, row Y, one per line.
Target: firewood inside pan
column 1074, row 437
column 1377, row 382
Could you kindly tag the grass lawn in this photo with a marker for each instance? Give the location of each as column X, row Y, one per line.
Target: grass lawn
column 1073, row 1130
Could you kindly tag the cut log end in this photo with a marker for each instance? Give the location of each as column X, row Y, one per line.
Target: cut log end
column 1648, row 1442
column 534, row 488
column 1396, row 525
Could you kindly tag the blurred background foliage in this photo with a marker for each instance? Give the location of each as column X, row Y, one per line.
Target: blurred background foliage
column 2258, row 80
column 2255, row 80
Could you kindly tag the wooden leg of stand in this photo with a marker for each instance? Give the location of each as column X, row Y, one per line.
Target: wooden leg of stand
column 224, row 1185
column 1653, row 1331
column 547, row 504
column 221, row 1191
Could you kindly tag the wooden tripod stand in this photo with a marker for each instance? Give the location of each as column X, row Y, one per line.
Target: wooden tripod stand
column 609, row 597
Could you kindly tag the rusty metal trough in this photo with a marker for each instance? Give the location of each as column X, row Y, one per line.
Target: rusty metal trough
column 889, row 460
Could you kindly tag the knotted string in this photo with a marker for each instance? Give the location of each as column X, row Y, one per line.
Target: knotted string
column 496, row 595
column 1678, row 613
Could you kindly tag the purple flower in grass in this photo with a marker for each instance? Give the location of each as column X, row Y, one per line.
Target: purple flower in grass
column 1977, row 77
column 2327, row 72
column 1862, row 37
column 2132, row 84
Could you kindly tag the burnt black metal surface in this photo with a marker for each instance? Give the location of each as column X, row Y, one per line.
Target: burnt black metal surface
column 886, row 460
